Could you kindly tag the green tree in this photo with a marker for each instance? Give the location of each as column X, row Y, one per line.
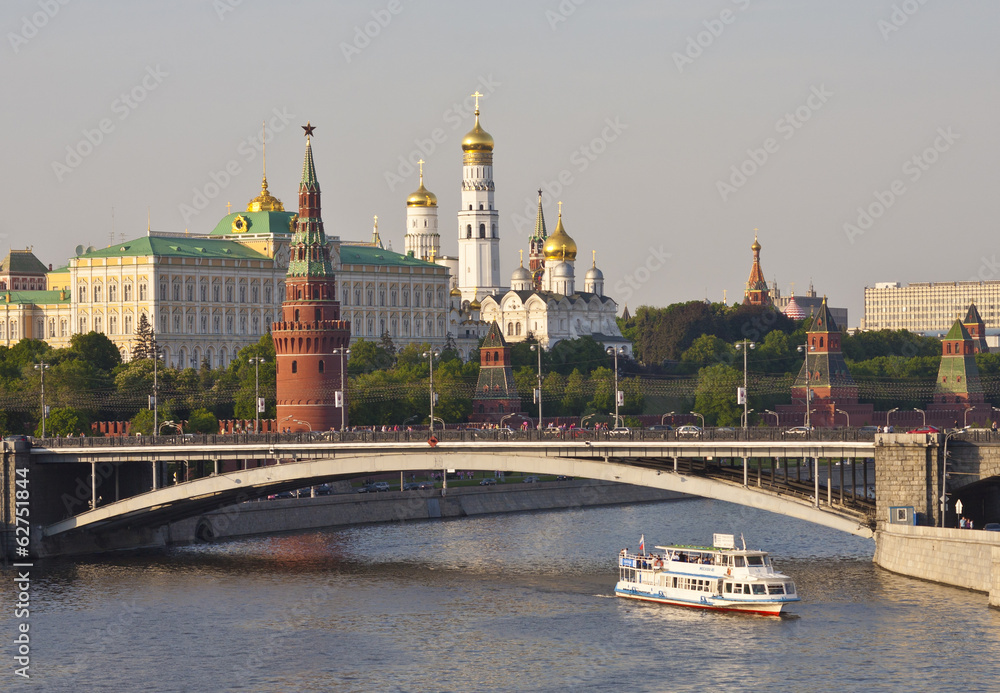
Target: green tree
column 367, row 357
column 583, row 353
column 142, row 422
column 63, row 421
column 603, row 386
column 715, row 395
column 202, row 421
column 707, row 350
column 96, row 349
column 142, row 344
column 575, row 394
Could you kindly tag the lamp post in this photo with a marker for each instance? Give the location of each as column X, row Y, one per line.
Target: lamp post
column 538, row 392
column 965, row 418
column 887, row 415
column 694, row 413
column 922, row 413
column 777, row 421
column 944, row 474
column 430, row 356
column 664, row 417
column 841, row 411
column 304, row 423
column 745, row 346
column 156, row 388
column 805, row 348
column 41, row 367
column 343, row 352
column 618, row 395
column 256, row 361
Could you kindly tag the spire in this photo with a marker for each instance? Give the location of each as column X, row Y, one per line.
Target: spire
column 308, row 167
column 265, row 202
column 757, row 293
column 540, row 231
column 376, row 239
column 310, row 256
column 824, row 321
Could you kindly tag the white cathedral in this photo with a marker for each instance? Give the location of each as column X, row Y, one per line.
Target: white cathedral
column 541, row 302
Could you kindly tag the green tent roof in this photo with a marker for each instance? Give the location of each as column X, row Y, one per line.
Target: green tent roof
column 958, row 331
column 257, row 222
column 372, row 255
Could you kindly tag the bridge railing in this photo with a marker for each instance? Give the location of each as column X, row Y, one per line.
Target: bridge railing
column 469, row 434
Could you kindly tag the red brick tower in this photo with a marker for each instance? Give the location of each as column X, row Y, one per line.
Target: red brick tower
column 308, row 370
column 496, row 395
column 757, row 293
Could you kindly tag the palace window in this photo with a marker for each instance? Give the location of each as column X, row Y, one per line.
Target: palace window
column 143, row 291
column 128, row 324
column 112, row 325
column 189, row 292
column 112, row 292
column 127, row 291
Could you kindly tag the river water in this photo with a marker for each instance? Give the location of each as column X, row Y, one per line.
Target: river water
column 499, row 603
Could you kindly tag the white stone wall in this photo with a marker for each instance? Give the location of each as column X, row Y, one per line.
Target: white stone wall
column 958, row 557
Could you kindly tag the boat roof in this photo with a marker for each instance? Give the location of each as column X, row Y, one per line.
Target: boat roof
column 714, row 549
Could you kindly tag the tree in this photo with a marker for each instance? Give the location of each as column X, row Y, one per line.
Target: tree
column 575, row 394
column 202, row 421
column 583, row 353
column 715, row 395
column 96, row 349
column 63, row 421
column 367, row 357
column 145, row 339
column 142, row 422
column 705, row 351
column 388, row 346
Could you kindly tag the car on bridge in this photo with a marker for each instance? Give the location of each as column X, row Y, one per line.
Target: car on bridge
column 799, row 431
column 530, row 479
column 488, row 482
column 660, row 427
column 620, row 431
column 689, row 431
column 925, row 429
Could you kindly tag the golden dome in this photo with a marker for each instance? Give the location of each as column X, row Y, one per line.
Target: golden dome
column 477, row 139
column 455, row 292
column 475, row 304
column 756, row 245
column 265, row 202
column 422, row 197
column 559, row 246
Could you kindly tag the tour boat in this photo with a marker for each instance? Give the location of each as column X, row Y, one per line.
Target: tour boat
column 719, row 577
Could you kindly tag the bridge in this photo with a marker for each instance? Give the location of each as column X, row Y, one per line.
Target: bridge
column 102, row 487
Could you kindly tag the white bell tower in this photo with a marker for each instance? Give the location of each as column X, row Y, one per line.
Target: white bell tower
column 478, row 221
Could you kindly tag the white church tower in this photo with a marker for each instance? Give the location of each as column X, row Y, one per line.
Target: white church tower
column 478, row 221
column 422, row 238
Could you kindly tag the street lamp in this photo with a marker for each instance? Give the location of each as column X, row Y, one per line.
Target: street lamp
column 745, row 346
column 156, row 388
column 887, row 415
column 805, row 348
column 841, row 411
column 965, row 418
column 664, row 417
column 170, row 423
column 777, row 421
column 538, row 392
column 41, row 367
column 343, row 352
column 430, row 356
column 256, row 361
column 694, row 413
column 944, row 473
column 618, row 395
column 922, row 413
column 304, row 423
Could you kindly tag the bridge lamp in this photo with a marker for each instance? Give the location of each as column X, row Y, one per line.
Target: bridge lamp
column 841, row 411
column 343, row 352
column 694, row 413
column 887, row 415
column 430, row 356
column 805, row 349
column 41, row 367
column 619, row 395
column 922, row 413
column 258, row 404
column 742, row 394
column 538, row 391
column 664, row 417
column 777, row 421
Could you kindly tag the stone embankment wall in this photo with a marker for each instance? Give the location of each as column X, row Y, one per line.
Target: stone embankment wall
column 268, row 516
column 906, row 475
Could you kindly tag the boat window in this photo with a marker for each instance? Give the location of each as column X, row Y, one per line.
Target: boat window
column 759, row 589
column 746, row 589
column 739, row 561
column 775, row 589
column 729, row 587
column 675, row 582
column 789, row 588
column 755, row 560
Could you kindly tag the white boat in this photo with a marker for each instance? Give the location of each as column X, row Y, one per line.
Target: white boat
column 719, row 577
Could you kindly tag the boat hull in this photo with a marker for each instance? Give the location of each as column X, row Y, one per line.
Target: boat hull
column 769, row 608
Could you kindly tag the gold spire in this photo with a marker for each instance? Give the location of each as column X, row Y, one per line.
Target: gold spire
column 265, row 202
column 477, row 139
column 559, row 245
column 376, row 241
column 421, row 197
column 594, row 263
column 521, row 254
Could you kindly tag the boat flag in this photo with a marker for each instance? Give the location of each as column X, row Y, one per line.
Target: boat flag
column 642, row 544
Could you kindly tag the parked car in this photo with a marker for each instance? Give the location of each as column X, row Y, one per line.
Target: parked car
column 530, row 479
column 488, row 482
column 424, row 485
column 689, row 431
column 799, row 431
column 992, row 527
column 324, row 490
column 725, row 430
column 380, row 486
column 620, row 431
column 563, row 477
column 926, row 429
column 660, row 427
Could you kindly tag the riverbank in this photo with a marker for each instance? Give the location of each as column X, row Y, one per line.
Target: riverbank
column 296, row 514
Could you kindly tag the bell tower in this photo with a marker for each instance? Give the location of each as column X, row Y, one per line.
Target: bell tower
column 478, row 221
column 308, row 370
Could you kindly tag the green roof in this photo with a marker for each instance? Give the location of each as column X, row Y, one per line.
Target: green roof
column 257, row 222
column 958, row 374
column 372, row 255
column 35, row 297
column 162, row 246
column 494, row 338
column 22, row 262
column 958, row 331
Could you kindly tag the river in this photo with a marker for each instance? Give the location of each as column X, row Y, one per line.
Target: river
column 517, row 602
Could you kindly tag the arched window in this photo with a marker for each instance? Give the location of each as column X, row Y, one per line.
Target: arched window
column 821, row 342
column 296, row 315
column 510, row 329
column 496, row 356
column 322, row 366
column 480, row 205
column 482, row 230
column 317, row 318
column 468, row 228
column 295, row 366
column 517, row 329
column 494, row 231
column 487, row 357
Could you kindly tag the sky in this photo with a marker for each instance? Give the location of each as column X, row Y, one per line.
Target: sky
column 858, row 137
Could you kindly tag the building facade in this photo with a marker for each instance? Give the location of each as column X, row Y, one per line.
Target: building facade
column 929, row 307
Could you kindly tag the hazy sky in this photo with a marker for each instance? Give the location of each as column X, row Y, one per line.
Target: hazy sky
column 670, row 130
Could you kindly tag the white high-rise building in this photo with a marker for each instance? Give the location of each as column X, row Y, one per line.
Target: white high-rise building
column 478, row 220
column 422, row 238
